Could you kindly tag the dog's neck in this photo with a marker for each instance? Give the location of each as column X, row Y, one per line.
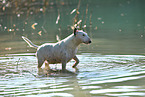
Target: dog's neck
column 72, row 41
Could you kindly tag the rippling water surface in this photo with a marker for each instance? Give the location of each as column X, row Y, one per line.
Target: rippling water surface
column 117, row 31
column 97, row 75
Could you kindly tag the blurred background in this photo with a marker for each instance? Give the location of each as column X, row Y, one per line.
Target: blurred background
column 113, row 65
column 115, row 26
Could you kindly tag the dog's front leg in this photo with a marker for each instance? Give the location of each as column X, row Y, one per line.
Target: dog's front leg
column 77, row 61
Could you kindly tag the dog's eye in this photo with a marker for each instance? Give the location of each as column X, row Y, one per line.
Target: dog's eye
column 83, row 34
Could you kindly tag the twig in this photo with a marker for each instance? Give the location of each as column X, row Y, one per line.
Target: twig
column 29, row 72
column 77, row 13
column 90, row 18
column 24, row 70
column 18, row 63
column 90, row 24
column 86, row 15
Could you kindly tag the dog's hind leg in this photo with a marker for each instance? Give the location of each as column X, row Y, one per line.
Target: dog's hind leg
column 77, row 61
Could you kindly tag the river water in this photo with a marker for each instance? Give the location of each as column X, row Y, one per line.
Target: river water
column 112, row 65
column 97, row 75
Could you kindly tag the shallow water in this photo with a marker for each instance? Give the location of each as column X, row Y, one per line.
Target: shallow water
column 97, row 75
column 112, row 65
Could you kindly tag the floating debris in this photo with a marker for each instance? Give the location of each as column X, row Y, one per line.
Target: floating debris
column 84, row 26
column 40, row 33
column 77, row 23
column 25, row 23
column 4, row 8
column 44, row 29
column 4, row 1
column 58, row 18
column 120, row 30
column 9, row 48
column 73, row 11
column 122, row 14
column 99, row 18
column 10, row 30
column 96, row 28
column 31, row 12
column 14, row 25
column 18, row 15
column 17, row 29
column 138, row 25
column 5, row 28
column 33, row 26
column 62, row 3
column 41, row 9
column 57, row 38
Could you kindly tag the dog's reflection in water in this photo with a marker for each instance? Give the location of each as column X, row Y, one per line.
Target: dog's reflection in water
column 55, row 72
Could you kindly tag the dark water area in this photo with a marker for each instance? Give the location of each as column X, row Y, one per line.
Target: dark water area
column 112, row 65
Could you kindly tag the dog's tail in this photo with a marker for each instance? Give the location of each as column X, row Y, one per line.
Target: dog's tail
column 29, row 42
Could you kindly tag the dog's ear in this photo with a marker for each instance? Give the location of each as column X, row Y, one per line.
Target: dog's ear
column 75, row 31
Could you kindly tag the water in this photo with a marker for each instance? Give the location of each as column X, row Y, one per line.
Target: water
column 112, row 65
column 97, row 75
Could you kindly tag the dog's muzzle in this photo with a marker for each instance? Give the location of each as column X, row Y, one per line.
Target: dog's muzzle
column 90, row 41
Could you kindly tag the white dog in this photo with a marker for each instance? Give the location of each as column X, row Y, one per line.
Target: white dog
column 62, row 51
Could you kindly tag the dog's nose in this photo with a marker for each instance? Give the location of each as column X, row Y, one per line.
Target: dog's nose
column 90, row 41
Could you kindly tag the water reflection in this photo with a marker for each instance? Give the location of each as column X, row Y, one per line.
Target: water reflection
column 48, row 72
column 116, row 27
column 99, row 75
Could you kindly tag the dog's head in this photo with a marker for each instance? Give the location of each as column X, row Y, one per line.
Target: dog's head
column 82, row 36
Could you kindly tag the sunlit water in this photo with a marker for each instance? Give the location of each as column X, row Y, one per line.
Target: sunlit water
column 97, row 75
column 112, row 65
